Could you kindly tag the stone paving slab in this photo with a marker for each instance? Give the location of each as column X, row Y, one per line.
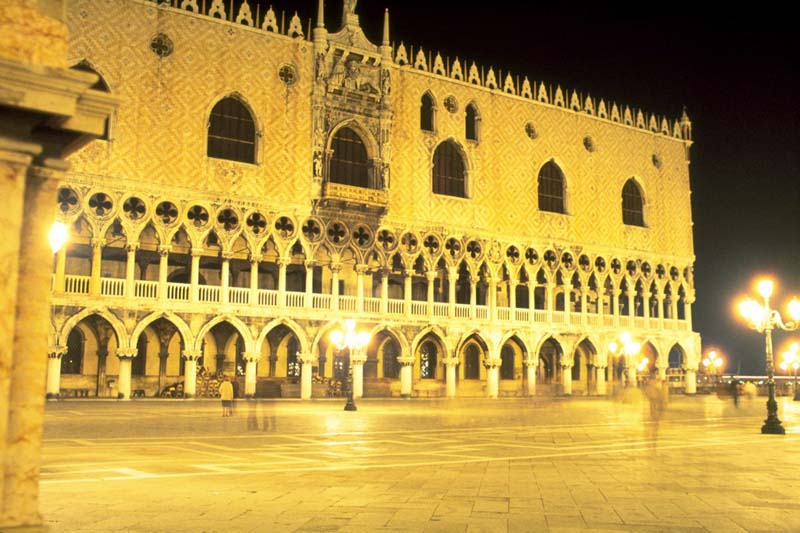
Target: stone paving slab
column 419, row 465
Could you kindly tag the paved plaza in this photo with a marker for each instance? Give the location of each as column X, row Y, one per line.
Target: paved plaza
column 419, row 465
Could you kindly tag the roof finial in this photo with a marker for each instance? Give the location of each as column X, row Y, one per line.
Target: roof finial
column 321, row 14
column 385, row 41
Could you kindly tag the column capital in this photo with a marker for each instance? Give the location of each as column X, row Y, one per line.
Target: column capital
column 127, row 353
column 361, row 269
column 431, row 275
column 254, row 258
column 98, row 242
column 530, row 361
column 251, row 357
column 308, row 263
column 359, row 359
column 195, row 252
column 409, row 272
column 474, row 280
column 56, row 352
column 335, row 267
column 132, row 247
column 164, row 250
column 492, row 362
column 307, row 358
column 450, row 361
column 283, row 261
column 227, row 256
column 405, row 361
column 192, row 355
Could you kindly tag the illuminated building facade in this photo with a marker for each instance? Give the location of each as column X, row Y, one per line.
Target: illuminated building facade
column 258, row 185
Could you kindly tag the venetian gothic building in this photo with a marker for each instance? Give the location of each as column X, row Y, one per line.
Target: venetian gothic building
column 262, row 181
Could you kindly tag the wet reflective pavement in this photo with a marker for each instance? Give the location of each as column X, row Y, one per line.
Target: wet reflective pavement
column 419, row 465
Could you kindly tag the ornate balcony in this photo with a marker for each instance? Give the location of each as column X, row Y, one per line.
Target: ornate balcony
column 338, row 195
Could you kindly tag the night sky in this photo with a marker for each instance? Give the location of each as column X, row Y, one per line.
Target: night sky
column 733, row 71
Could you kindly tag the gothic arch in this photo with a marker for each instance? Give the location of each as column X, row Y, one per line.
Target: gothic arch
column 486, row 346
column 237, row 324
column 564, row 180
column 438, row 333
column 467, row 168
column 364, row 134
column 401, row 339
column 175, row 320
column 120, row 331
column 292, row 325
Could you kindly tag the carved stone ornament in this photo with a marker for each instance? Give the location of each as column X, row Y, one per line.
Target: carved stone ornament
column 161, row 45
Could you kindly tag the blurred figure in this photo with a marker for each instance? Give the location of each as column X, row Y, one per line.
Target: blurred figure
column 654, row 391
column 226, row 395
column 750, row 390
column 734, row 389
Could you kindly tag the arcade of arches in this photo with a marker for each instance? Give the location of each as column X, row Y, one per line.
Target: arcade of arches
column 99, row 355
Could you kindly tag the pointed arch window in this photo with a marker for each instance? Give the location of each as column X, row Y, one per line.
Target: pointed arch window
column 472, row 121
column 449, row 171
column 472, row 362
column 551, row 188
column 349, row 162
column 428, row 360
column 632, row 204
column 426, row 113
column 232, row 132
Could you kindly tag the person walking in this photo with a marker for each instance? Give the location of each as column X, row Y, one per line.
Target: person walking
column 226, row 395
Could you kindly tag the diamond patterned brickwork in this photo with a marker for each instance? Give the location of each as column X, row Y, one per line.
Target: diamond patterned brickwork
column 159, row 135
column 504, row 165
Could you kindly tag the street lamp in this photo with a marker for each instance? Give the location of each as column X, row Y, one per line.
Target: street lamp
column 713, row 363
column 58, row 236
column 354, row 342
column 627, row 347
column 764, row 319
column 791, row 359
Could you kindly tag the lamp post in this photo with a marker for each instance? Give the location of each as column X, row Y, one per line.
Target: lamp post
column 791, row 359
column 354, row 342
column 713, row 363
column 627, row 347
column 764, row 319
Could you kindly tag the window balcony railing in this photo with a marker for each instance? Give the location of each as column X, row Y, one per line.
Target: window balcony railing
column 240, row 296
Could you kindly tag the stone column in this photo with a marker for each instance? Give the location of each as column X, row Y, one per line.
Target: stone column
column 360, row 270
column 615, row 305
column 250, row 379
column 163, row 253
column 194, row 274
column 384, row 291
column 253, row 279
column 451, row 366
column 600, row 380
column 406, row 364
column 566, row 379
column 492, row 299
column 532, row 299
column 687, row 312
column 225, row 278
column 531, row 365
column 357, row 359
column 633, row 380
column 631, row 294
column 452, row 279
column 584, row 305
column 492, row 377
column 309, row 284
column 335, row 286
column 408, row 277
column 97, row 257
column 130, row 270
column 125, row 356
column 512, row 298
column 306, row 373
column 550, row 300
column 283, row 262
column 662, row 373
column 690, row 381
column 61, row 268
column 567, row 302
column 431, row 277
column 190, row 358
column 54, row 355
column 473, row 295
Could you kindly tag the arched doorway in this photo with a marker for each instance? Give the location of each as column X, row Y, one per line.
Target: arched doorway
column 549, row 372
column 583, row 377
column 86, row 365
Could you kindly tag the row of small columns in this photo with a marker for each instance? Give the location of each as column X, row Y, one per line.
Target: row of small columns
column 307, row 361
column 283, row 262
